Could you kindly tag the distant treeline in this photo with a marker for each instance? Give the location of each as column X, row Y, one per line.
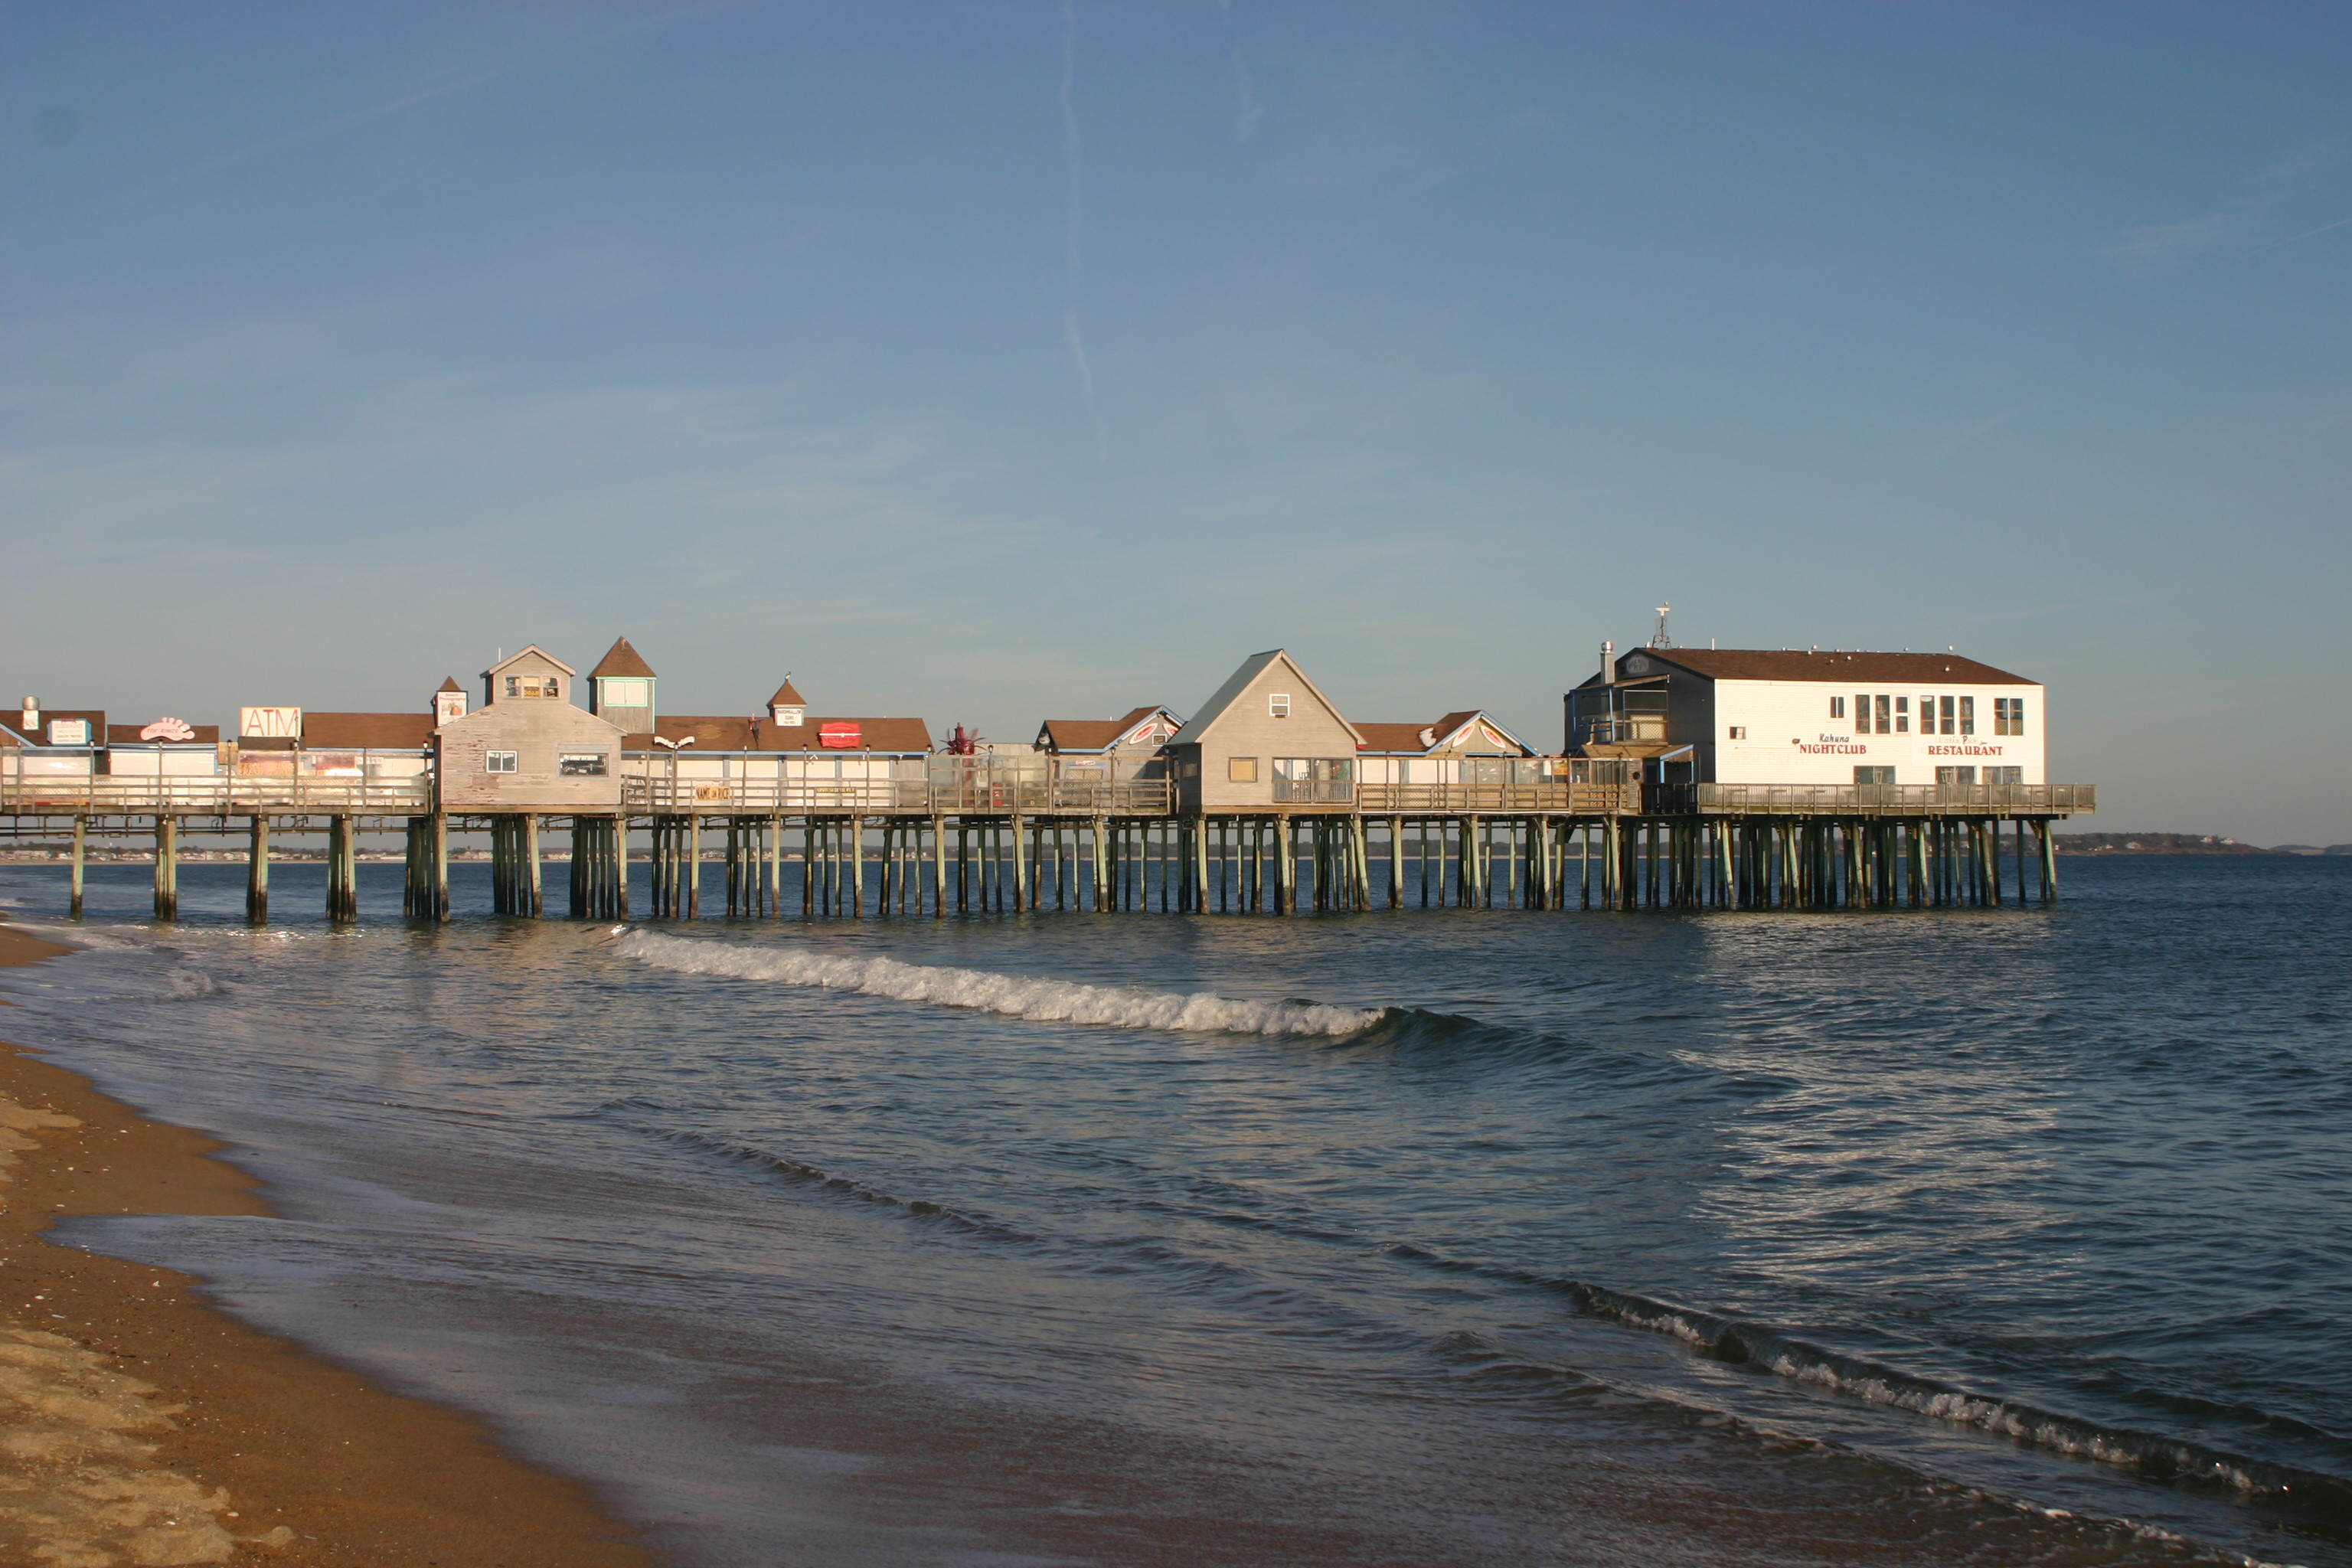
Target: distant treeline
column 2181, row 844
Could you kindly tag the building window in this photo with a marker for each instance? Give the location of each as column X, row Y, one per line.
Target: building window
column 1903, row 715
column 580, row 764
column 1968, row 715
column 1886, row 713
column 1326, row 779
column 531, row 686
column 2009, row 715
column 499, row 762
column 1241, row 770
column 1837, row 707
column 1740, row 731
column 1874, row 774
column 2005, row 775
column 1277, row 704
column 1956, row 775
column 1944, row 706
column 620, row 693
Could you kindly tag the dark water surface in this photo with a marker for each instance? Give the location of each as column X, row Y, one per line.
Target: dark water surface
column 1463, row 1238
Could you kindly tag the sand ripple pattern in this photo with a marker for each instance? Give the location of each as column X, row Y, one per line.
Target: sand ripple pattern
column 1013, row 995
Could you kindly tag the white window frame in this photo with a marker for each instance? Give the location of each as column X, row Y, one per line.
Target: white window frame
column 1277, row 704
column 491, row 761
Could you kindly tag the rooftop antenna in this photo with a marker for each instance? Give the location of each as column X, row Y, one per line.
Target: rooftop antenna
column 1660, row 639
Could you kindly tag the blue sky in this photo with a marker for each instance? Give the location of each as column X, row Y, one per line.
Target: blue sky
column 1004, row 361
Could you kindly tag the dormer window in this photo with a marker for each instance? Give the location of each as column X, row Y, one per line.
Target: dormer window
column 1277, row 704
column 533, row 685
column 787, row 715
column 620, row 691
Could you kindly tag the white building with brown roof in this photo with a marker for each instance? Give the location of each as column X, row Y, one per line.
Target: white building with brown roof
column 1140, row 733
column 1459, row 748
column 1813, row 716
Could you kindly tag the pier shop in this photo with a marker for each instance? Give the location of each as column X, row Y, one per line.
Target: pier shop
column 1726, row 779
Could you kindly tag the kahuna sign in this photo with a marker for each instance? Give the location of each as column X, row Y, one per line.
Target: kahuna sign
column 1832, row 746
column 1964, row 751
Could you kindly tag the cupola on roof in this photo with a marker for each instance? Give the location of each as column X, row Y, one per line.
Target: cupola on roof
column 620, row 659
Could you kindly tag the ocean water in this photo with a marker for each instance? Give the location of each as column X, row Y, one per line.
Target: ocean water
column 1459, row 1237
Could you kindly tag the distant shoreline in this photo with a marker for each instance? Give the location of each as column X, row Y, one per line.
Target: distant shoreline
column 2179, row 844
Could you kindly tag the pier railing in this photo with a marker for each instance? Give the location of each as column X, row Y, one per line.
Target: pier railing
column 933, row 786
column 70, row 794
column 1559, row 798
column 1868, row 800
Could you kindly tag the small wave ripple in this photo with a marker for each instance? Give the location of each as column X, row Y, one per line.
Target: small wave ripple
column 2315, row 1495
column 1013, row 995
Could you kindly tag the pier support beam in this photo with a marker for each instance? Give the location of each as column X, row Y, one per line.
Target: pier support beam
column 167, row 868
column 257, row 872
column 81, row 865
column 342, row 881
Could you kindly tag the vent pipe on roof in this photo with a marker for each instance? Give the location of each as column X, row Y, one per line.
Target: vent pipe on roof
column 1608, row 663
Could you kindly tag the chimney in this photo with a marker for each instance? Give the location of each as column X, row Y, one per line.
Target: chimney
column 1608, row 664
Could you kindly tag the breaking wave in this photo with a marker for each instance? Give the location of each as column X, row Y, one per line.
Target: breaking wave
column 1013, row 995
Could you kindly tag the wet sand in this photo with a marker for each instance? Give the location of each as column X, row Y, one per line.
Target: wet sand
column 139, row 1425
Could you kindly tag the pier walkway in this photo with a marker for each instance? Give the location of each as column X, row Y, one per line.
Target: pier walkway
column 1023, row 834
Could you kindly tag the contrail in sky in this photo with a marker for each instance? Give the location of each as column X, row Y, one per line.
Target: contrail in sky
column 1073, row 335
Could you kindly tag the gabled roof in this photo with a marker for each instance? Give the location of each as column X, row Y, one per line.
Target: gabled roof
column 1240, row 681
column 786, row 697
column 620, row 659
column 1406, row 740
column 1098, row 735
column 902, row 736
column 450, row 685
column 525, row 652
column 361, row 732
column 1822, row 664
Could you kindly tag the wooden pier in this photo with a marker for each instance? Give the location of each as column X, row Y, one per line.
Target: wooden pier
column 1019, row 836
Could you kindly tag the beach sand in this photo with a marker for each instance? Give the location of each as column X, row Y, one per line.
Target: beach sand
column 139, row 1425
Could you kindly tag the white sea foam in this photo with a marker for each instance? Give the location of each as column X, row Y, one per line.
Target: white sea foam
column 1014, row 995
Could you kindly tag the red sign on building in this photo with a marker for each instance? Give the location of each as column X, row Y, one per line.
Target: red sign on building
column 839, row 737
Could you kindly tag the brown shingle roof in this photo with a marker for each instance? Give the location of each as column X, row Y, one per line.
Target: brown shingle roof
column 1406, row 738
column 716, row 734
column 448, row 684
column 358, row 732
column 1093, row 734
column 786, row 697
column 1795, row 664
column 620, row 659
column 1380, row 737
